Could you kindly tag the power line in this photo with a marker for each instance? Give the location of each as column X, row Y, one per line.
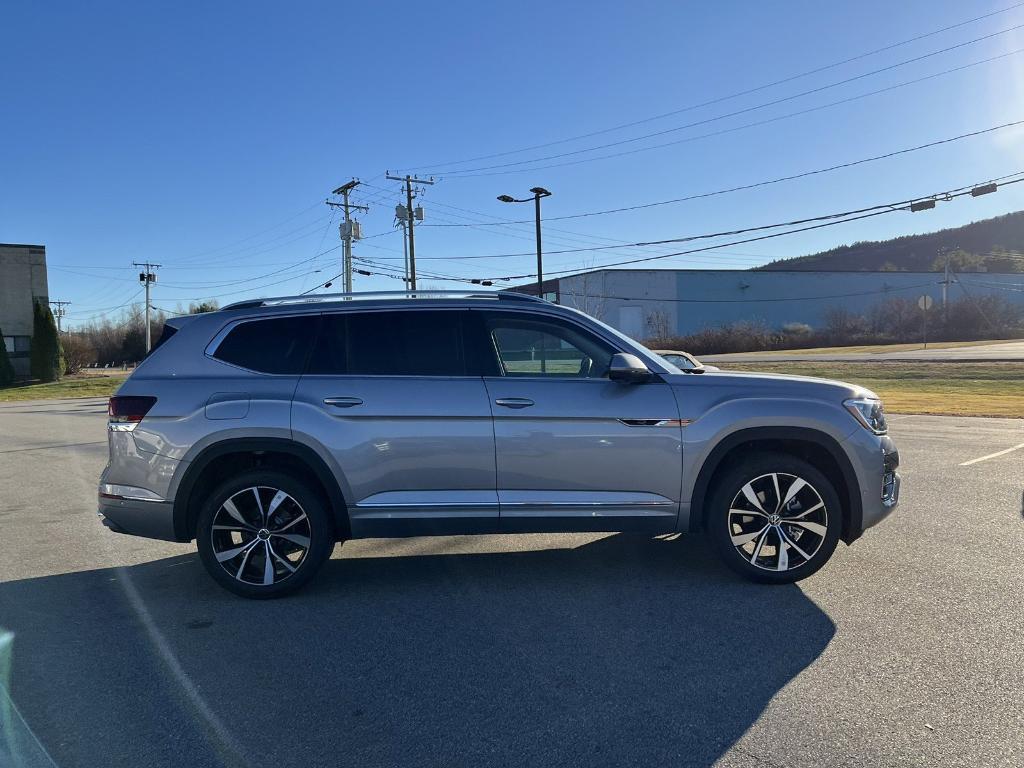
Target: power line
column 755, row 185
column 257, row 234
column 306, row 230
column 829, row 221
column 574, row 238
column 728, row 97
column 106, row 310
column 323, row 237
column 745, row 110
column 761, row 227
column 470, row 173
column 393, row 273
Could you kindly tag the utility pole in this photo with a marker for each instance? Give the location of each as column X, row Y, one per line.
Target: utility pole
column 349, row 228
column 945, row 287
column 148, row 277
column 405, row 248
column 410, row 215
column 59, row 312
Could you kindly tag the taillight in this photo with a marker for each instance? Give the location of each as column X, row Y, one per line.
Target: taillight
column 125, row 412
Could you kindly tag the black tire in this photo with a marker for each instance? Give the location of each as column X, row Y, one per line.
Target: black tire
column 269, row 546
column 795, row 540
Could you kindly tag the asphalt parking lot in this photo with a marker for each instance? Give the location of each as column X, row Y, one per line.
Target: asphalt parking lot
column 583, row 650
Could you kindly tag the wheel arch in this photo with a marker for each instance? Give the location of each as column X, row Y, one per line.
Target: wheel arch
column 247, row 452
column 817, row 448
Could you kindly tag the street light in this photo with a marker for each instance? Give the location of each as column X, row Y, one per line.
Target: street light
column 538, row 193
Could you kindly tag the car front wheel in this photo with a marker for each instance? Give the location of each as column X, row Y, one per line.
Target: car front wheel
column 774, row 518
column 263, row 534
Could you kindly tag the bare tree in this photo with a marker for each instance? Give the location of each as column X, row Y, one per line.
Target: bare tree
column 658, row 325
column 78, row 351
column 587, row 295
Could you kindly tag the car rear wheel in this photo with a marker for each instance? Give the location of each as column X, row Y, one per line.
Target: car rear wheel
column 774, row 518
column 263, row 534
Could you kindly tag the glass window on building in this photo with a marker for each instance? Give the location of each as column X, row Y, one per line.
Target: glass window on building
column 18, row 346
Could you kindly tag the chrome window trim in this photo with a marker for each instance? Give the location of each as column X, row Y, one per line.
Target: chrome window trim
column 533, row 311
column 656, row 422
column 385, row 376
column 407, row 504
column 588, row 504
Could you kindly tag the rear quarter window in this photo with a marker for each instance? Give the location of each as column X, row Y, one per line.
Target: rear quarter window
column 276, row 345
column 165, row 335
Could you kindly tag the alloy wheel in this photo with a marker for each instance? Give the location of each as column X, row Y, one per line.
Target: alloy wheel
column 260, row 535
column 778, row 522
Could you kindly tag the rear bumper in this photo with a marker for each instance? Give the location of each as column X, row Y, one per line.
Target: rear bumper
column 151, row 519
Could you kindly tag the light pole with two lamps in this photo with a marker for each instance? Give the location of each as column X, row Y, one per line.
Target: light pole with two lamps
column 538, row 193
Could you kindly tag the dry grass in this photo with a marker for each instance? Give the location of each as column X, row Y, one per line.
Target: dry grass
column 949, row 389
column 877, row 349
column 79, row 385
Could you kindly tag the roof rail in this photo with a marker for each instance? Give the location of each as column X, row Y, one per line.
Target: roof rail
column 317, row 298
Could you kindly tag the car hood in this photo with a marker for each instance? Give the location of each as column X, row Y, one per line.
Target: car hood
column 730, row 384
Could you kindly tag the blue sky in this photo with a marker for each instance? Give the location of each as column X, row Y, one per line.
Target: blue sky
column 205, row 136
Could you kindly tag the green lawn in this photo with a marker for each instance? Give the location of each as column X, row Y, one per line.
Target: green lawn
column 961, row 389
column 89, row 385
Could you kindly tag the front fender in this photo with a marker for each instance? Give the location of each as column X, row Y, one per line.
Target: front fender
column 708, row 439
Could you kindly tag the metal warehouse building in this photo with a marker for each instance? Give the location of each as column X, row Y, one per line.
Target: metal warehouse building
column 22, row 280
column 682, row 301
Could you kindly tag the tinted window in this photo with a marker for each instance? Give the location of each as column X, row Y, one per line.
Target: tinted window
column 545, row 348
column 165, row 334
column 405, row 343
column 276, row 345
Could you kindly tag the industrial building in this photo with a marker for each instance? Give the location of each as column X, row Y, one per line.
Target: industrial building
column 22, row 281
column 650, row 302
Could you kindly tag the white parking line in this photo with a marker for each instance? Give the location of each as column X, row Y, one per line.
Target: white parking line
column 992, row 455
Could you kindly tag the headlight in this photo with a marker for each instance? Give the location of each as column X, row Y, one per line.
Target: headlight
column 869, row 412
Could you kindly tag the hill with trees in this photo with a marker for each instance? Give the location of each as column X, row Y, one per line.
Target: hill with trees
column 989, row 245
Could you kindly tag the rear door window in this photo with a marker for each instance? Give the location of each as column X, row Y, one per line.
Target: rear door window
column 399, row 343
column 277, row 345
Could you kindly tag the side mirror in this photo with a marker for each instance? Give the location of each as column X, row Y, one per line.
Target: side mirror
column 628, row 368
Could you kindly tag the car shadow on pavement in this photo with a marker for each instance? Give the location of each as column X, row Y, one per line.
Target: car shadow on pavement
column 623, row 651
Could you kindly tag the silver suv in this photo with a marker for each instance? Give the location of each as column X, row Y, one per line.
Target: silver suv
column 272, row 429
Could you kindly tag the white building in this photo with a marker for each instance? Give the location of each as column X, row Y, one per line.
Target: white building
column 645, row 303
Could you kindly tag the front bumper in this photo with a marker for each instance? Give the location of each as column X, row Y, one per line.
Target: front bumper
column 888, row 497
column 138, row 517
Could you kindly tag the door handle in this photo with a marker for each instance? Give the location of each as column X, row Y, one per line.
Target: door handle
column 342, row 402
column 514, row 402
